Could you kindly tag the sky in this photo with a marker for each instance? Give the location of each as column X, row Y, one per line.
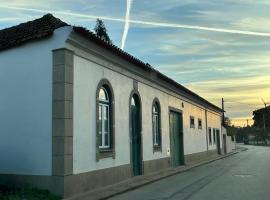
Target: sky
column 218, row 49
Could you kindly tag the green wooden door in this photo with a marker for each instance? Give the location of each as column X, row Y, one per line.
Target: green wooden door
column 224, row 144
column 176, row 138
column 218, row 142
column 136, row 138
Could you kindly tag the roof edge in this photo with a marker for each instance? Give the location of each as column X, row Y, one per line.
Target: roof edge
column 116, row 50
column 29, row 31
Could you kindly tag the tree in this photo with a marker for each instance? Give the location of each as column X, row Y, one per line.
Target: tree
column 101, row 31
column 261, row 117
column 227, row 122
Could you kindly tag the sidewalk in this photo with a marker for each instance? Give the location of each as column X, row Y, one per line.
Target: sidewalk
column 139, row 181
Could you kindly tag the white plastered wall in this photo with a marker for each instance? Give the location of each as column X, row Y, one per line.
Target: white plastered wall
column 231, row 145
column 214, row 122
column 26, row 106
column 87, row 75
column 194, row 138
column 86, row 78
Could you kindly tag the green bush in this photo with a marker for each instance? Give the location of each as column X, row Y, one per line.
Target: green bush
column 12, row 193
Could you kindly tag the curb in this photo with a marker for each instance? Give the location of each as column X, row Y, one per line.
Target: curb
column 102, row 194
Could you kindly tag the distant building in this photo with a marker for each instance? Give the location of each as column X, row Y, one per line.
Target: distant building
column 261, row 117
column 78, row 113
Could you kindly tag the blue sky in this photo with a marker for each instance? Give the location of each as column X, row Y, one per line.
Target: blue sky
column 212, row 64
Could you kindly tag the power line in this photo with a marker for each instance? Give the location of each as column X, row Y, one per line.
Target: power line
column 249, row 104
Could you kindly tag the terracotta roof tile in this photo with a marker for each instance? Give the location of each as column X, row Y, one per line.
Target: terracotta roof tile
column 32, row 30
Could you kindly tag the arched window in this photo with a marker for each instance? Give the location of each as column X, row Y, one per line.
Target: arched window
column 104, row 119
column 156, row 125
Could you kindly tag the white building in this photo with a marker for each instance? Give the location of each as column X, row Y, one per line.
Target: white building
column 78, row 113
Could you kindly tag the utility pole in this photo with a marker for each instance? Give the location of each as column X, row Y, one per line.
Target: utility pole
column 263, row 114
column 264, row 103
column 223, row 117
column 247, row 122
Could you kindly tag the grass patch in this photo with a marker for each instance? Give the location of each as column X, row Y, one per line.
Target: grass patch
column 12, row 193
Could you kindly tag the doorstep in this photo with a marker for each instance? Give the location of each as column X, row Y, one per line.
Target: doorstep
column 139, row 181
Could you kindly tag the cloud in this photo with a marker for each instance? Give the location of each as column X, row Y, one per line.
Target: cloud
column 171, row 49
column 252, row 2
column 242, row 94
column 253, row 23
column 124, row 37
column 214, row 63
column 204, row 28
column 9, row 19
column 149, row 23
column 69, row 13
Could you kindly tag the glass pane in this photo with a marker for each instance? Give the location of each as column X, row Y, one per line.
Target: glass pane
column 103, row 95
column 100, row 140
column 100, row 125
column 132, row 101
column 191, row 121
column 155, row 109
column 154, row 128
column 106, row 118
column 106, row 144
column 99, row 117
column 157, row 131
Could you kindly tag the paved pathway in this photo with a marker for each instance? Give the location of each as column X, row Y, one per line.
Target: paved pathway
column 243, row 176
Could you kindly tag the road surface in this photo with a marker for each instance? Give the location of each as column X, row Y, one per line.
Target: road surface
column 243, row 176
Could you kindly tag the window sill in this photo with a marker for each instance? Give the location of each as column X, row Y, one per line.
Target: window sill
column 105, row 150
column 105, row 153
column 157, row 148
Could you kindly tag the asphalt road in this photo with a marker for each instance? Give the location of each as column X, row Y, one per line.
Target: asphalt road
column 243, row 176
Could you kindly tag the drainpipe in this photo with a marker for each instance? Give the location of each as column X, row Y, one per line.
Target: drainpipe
column 221, row 125
column 221, row 138
column 206, row 129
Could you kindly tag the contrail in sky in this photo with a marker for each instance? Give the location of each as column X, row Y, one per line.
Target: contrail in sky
column 149, row 23
column 124, row 36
